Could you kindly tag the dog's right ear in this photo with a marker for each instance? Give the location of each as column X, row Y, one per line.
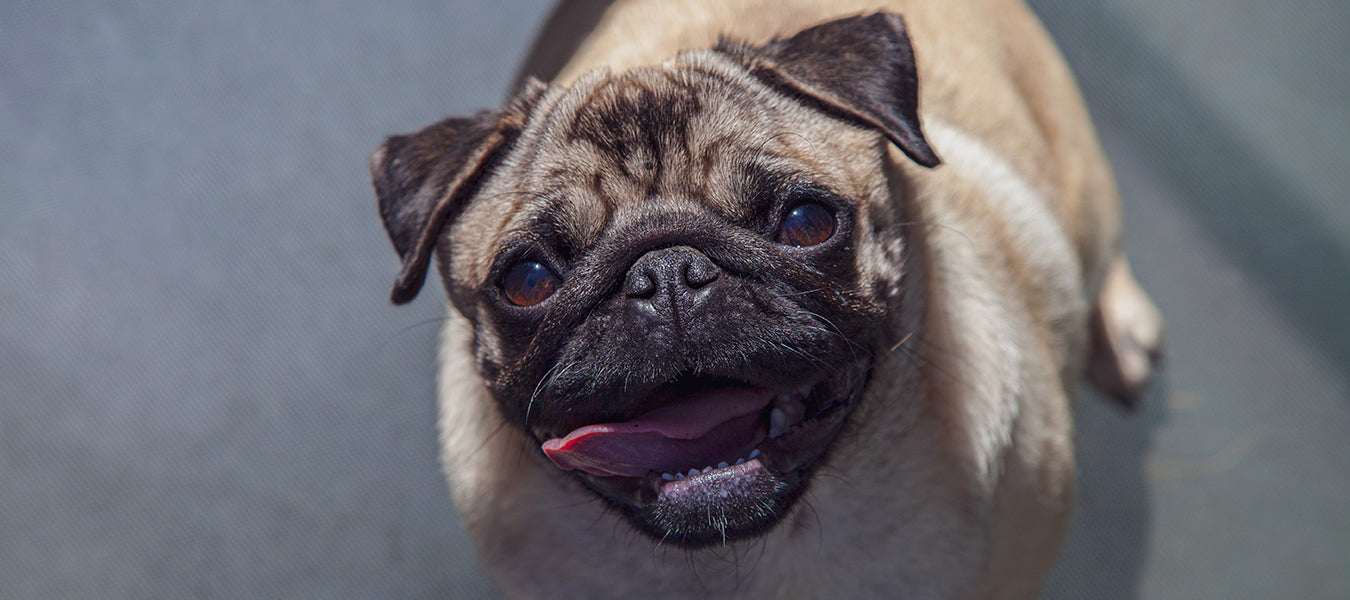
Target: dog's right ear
column 424, row 179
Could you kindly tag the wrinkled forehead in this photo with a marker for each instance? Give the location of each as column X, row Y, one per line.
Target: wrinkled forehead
column 691, row 132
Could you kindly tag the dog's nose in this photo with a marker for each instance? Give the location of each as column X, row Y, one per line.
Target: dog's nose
column 671, row 278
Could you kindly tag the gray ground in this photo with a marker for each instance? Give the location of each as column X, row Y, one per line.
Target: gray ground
column 203, row 392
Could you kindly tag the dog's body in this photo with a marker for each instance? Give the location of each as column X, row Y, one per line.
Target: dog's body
column 976, row 292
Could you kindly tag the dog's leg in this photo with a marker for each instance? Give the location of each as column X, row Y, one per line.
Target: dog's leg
column 1127, row 336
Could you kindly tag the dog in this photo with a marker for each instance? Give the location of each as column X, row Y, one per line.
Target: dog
column 771, row 298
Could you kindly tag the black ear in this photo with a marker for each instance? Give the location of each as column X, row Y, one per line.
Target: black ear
column 859, row 68
column 424, row 179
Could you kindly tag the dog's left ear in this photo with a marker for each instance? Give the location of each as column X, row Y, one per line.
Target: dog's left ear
column 859, row 68
column 424, row 179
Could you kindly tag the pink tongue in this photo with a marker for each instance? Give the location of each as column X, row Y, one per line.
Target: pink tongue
column 702, row 429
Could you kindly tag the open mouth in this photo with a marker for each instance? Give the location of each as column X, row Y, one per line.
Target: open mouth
column 716, row 460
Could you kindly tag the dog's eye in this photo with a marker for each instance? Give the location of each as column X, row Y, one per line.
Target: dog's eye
column 807, row 224
column 528, row 283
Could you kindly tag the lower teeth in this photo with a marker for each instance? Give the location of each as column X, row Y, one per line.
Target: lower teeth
column 721, row 465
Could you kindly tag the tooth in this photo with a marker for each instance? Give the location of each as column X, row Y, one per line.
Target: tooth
column 755, row 453
column 707, row 469
column 679, row 475
column 667, row 477
column 693, row 472
column 740, row 460
column 723, row 465
column 777, row 420
column 793, row 413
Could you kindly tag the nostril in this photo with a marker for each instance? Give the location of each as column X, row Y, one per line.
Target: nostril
column 639, row 284
column 698, row 273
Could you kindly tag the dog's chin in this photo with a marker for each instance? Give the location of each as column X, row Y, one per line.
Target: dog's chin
column 748, row 483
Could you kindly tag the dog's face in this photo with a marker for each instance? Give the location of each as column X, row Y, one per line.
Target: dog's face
column 679, row 277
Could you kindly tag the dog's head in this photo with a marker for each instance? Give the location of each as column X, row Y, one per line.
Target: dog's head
column 679, row 277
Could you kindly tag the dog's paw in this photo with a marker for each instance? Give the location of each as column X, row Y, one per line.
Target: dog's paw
column 1127, row 337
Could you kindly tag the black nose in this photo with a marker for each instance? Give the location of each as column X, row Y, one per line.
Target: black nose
column 671, row 281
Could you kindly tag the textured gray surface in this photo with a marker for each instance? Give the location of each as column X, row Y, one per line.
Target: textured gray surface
column 203, row 392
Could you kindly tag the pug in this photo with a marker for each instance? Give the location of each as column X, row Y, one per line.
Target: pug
column 771, row 299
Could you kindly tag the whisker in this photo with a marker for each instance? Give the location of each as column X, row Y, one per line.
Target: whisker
column 933, row 224
column 918, row 356
column 815, row 515
column 901, row 342
column 760, row 151
column 803, row 292
column 488, row 439
column 853, row 346
column 385, row 344
column 540, row 386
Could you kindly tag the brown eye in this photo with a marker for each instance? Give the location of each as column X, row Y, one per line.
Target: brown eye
column 808, row 224
column 529, row 283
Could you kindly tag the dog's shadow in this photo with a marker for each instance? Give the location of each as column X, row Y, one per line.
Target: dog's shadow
column 1104, row 551
column 1230, row 190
